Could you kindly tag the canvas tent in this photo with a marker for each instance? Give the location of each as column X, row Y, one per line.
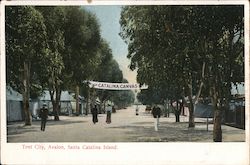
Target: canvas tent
column 14, row 102
column 65, row 102
column 82, row 104
column 235, row 115
column 34, row 108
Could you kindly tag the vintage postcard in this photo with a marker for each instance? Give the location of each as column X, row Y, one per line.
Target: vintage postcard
column 124, row 82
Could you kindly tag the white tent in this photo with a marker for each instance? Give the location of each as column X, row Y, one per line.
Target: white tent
column 14, row 104
column 65, row 102
column 82, row 104
column 34, row 108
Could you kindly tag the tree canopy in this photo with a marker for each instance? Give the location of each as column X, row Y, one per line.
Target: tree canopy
column 186, row 50
column 55, row 48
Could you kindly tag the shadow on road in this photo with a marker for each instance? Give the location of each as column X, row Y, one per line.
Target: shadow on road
column 64, row 122
column 21, row 130
column 168, row 132
column 174, row 132
column 16, row 128
column 134, row 131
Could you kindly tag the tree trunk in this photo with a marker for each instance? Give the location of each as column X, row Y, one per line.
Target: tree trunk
column 77, row 100
column 100, row 110
column 104, row 106
column 55, row 112
column 227, row 101
column 217, row 133
column 55, row 102
column 26, row 93
column 87, row 104
column 182, row 110
column 191, row 123
column 193, row 103
column 166, row 107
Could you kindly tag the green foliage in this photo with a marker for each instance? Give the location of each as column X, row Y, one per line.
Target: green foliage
column 105, row 63
column 82, row 39
column 169, row 44
column 122, row 98
column 152, row 48
column 25, row 48
column 51, row 74
column 107, row 71
column 25, row 41
column 186, row 50
column 63, row 48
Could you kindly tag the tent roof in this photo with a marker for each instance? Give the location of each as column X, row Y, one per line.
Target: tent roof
column 65, row 96
column 11, row 94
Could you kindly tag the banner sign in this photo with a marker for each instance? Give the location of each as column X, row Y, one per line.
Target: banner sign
column 115, row 86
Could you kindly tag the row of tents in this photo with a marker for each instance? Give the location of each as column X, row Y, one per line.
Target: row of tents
column 14, row 104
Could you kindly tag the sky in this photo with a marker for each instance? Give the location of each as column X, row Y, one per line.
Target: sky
column 108, row 17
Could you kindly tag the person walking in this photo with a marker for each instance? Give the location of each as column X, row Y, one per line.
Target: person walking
column 156, row 112
column 43, row 114
column 109, row 111
column 94, row 112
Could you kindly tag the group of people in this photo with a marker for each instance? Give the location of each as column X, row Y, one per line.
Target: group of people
column 94, row 112
column 43, row 114
column 156, row 112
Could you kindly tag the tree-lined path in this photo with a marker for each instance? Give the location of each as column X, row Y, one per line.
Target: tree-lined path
column 125, row 127
column 189, row 56
column 180, row 58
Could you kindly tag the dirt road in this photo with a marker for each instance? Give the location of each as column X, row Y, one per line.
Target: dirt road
column 125, row 127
